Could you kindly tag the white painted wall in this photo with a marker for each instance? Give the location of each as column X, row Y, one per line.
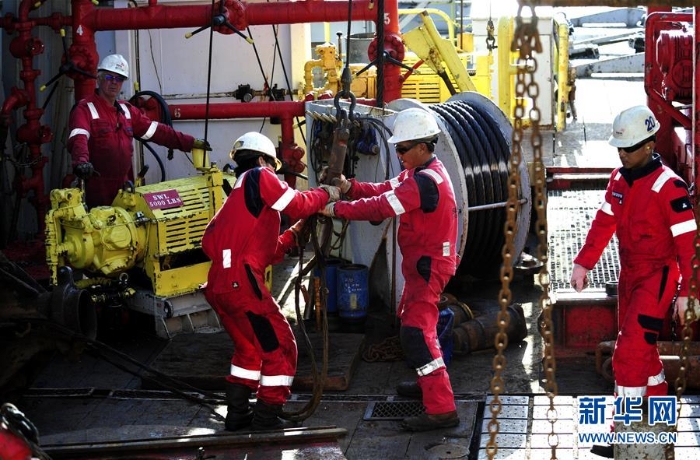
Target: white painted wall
column 482, row 11
column 177, row 69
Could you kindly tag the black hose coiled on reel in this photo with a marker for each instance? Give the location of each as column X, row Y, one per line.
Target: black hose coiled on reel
column 484, row 153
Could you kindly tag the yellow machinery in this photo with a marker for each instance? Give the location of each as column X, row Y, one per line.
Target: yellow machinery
column 446, row 68
column 330, row 65
column 443, row 66
column 144, row 251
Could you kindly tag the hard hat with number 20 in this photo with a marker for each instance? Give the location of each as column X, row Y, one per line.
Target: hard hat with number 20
column 632, row 126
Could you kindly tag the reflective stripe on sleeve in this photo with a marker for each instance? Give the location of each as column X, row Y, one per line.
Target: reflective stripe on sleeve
column 226, row 258
column 436, row 177
column 78, row 132
column 394, row 181
column 151, row 131
column 661, row 180
column 684, row 227
column 284, row 200
column 395, row 203
column 606, row 208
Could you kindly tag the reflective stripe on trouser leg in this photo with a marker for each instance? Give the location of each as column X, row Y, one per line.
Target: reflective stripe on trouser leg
column 278, row 365
column 657, row 385
column 419, row 341
column 265, row 352
column 245, row 362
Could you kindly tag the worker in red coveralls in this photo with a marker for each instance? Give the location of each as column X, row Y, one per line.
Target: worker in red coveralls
column 101, row 135
column 423, row 199
column 241, row 241
column 649, row 208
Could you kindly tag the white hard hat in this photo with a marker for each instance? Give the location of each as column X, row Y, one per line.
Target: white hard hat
column 632, row 126
column 412, row 124
column 256, row 142
column 115, row 63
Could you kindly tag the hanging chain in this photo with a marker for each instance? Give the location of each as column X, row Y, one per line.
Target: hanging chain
column 490, row 38
column 526, row 41
column 689, row 318
column 490, row 29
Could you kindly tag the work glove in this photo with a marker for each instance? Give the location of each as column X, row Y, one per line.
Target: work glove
column 341, row 182
column 328, row 210
column 85, row 170
column 680, row 308
column 333, row 192
column 201, row 144
column 301, row 233
column 579, row 278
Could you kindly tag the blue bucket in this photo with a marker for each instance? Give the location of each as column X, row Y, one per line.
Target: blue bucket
column 332, row 264
column 353, row 292
column 444, row 332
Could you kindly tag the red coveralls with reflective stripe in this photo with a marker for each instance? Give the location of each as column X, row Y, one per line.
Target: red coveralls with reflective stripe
column 424, row 201
column 241, row 241
column 103, row 135
column 651, row 212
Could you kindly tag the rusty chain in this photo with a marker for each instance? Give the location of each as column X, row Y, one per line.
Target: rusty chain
column 525, row 41
column 689, row 318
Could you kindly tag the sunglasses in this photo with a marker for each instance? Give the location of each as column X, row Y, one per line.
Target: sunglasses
column 634, row 147
column 116, row 78
column 401, row 149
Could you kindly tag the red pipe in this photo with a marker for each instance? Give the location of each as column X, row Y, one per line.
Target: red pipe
column 237, row 110
column 86, row 20
column 25, row 47
column 286, row 111
column 181, row 16
column 241, row 15
column 83, row 51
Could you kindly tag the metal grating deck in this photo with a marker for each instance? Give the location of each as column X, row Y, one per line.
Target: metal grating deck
column 393, row 410
column 569, row 216
column 524, row 428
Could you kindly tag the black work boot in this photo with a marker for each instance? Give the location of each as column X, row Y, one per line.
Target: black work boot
column 427, row 422
column 266, row 417
column 606, row 451
column 239, row 413
column 409, row 390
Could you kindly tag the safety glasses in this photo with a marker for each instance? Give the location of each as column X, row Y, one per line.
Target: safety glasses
column 401, row 149
column 116, row 78
column 634, row 147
